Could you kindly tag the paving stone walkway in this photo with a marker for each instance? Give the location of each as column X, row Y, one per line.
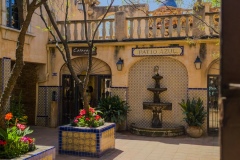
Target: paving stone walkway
column 132, row 147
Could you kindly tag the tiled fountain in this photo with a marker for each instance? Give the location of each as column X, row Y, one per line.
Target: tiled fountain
column 157, row 107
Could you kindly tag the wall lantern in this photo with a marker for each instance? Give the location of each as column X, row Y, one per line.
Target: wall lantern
column 119, row 64
column 198, row 63
column 80, row 5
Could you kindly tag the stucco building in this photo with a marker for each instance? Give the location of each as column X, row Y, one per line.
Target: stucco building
column 169, row 37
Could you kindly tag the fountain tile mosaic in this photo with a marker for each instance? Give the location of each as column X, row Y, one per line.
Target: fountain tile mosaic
column 175, row 79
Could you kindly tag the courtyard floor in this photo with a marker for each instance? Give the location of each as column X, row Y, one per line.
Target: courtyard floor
column 132, row 147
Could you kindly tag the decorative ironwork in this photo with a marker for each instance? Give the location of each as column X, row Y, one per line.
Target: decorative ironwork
column 213, row 110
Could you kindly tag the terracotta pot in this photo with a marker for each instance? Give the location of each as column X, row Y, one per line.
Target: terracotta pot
column 194, row 131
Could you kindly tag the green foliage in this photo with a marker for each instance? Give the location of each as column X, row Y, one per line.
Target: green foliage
column 17, row 109
column 13, row 140
column 14, row 147
column 193, row 111
column 113, row 109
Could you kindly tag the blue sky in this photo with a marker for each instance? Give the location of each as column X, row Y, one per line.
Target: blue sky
column 152, row 4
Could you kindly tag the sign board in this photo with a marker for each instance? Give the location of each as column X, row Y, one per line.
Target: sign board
column 81, row 51
column 158, row 51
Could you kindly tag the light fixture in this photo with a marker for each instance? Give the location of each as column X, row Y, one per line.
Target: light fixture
column 198, row 63
column 80, row 5
column 119, row 64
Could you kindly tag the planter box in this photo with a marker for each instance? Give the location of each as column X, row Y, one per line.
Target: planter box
column 85, row 141
column 42, row 153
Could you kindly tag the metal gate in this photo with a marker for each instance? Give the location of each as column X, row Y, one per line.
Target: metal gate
column 212, row 106
column 99, row 86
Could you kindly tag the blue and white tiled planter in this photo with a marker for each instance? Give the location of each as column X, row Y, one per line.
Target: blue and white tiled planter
column 41, row 153
column 86, row 141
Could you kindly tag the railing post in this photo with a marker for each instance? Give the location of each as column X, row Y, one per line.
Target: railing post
column 198, row 29
column 120, row 25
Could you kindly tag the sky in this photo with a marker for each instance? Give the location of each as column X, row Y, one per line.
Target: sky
column 152, row 4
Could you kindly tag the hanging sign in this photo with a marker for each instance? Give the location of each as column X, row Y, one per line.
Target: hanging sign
column 158, row 51
column 81, row 51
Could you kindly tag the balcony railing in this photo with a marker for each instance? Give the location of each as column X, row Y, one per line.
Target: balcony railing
column 76, row 29
column 167, row 26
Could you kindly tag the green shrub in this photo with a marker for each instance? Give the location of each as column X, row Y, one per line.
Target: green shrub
column 193, row 111
column 113, row 109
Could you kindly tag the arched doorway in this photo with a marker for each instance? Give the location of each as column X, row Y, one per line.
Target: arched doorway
column 213, row 92
column 99, row 86
column 175, row 79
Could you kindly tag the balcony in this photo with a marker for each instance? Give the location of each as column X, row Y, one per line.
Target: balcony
column 122, row 28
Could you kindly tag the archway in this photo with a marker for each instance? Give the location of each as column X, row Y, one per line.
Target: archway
column 175, row 79
column 99, row 86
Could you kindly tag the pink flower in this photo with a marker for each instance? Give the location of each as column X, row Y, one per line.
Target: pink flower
column 97, row 117
column 21, row 126
column 75, row 120
column 87, row 119
column 82, row 112
column 26, row 140
column 91, row 109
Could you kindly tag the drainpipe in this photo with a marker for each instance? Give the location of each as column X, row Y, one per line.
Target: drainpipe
column 42, row 81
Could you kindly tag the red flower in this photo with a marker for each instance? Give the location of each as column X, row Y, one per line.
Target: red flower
column 21, row 126
column 2, row 142
column 8, row 116
column 87, row 119
column 30, row 140
column 82, row 112
column 91, row 109
column 97, row 117
column 78, row 117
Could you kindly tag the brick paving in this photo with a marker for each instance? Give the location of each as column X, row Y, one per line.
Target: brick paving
column 132, row 147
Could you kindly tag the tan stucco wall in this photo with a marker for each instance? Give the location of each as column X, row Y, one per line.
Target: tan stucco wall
column 110, row 52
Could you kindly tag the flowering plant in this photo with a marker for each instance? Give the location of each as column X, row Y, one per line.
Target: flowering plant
column 91, row 119
column 13, row 140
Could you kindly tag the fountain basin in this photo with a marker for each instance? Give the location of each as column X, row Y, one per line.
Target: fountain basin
column 157, row 132
column 161, row 106
column 159, row 90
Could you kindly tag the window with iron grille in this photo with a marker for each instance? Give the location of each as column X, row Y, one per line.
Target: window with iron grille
column 12, row 14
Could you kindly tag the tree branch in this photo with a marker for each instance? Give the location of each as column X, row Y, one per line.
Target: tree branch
column 65, row 45
column 65, row 21
column 51, row 32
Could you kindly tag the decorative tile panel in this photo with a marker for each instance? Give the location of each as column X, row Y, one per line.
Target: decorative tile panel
column 41, row 153
column 44, row 104
column 5, row 75
column 175, row 79
column 119, row 91
column 85, row 141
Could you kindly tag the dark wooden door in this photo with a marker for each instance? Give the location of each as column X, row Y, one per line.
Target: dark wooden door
column 230, row 80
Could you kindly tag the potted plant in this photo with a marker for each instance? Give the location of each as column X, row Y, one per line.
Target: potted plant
column 113, row 109
column 15, row 144
column 194, row 116
column 88, row 135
